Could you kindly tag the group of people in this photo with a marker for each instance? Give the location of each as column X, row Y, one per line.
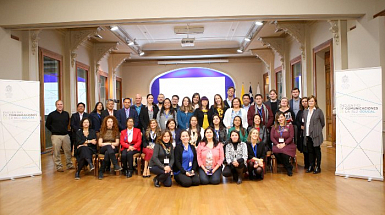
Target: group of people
column 195, row 142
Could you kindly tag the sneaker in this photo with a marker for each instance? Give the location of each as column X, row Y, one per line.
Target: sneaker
column 71, row 167
column 77, row 176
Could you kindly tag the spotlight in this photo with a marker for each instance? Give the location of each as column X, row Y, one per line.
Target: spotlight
column 240, row 51
column 141, row 53
column 131, row 43
column 114, row 28
column 258, row 23
column 247, row 39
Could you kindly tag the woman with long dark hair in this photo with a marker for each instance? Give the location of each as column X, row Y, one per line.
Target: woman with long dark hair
column 195, row 99
column 203, row 114
column 96, row 117
column 236, row 110
column 299, row 122
column 166, row 112
column 218, row 107
column 150, row 111
column 185, row 112
column 237, row 126
column 220, row 131
column 150, row 136
column 195, row 131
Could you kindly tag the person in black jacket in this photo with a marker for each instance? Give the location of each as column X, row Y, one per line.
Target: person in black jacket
column 256, row 153
column 75, row 121
column 126, row 112
column 203, row 114
column 162, row 160
column 220, row 130
column 109, row 111
column 150, row 111
column 218, row 107
column 186, row 164
column 96, row 117
column 85, row 146
column 300, row 137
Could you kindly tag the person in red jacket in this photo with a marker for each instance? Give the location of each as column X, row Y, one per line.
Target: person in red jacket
column 130, row 141
column 267, row 118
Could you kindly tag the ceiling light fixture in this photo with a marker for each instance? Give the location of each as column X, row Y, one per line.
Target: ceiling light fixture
column 98, row 36
column 131, row 43
column 240, row 50
column 114, row 28
column 258, row 23
column 247, row 39
column 141, row 53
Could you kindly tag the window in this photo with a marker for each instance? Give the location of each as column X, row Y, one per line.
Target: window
column 50, row 87
column 103, row 87
column 296, row 74
column 278, row 81
column 119, row 92
column 82, row 84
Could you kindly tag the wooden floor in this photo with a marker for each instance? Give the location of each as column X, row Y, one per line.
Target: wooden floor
column 59, row 193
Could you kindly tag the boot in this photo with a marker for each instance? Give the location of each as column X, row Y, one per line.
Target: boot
column 115, row 162
column 102, row 167
column 77, row 175
column 91, row 164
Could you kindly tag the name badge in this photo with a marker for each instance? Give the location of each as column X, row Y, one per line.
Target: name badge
column 303, row 120
column 190, row 163
column 166, row 161
column 281, row 140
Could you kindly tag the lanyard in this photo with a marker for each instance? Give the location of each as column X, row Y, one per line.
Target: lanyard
column 217, row 133
column 99, row 115
column 129, row 134
column 255, row 149
column 281, row 129
column 167, row 115
column 153, row 136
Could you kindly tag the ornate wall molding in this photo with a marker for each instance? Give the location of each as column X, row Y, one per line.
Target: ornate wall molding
column 118, row 59
column 277, row 44
column 101, row 49
column 34, row 41
column 77, row 37
column 334, row 28
column 265, row 55
column 295, row 30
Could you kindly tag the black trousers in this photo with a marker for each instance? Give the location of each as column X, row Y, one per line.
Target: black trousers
column 109, row 154
column 187, row 181
column 128, row 159
column 236, row 172
column 254, row 173
column 165, row 178
column 284, row 159
column 210, row 179
column 83, row 156
column 314, row 153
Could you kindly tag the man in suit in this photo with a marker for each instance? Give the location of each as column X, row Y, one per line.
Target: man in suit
column 138, row 107
column 273, row 102
column 294, row 102
column 76, row 118
column 230, row 97
column 126, row 112
column 110, row 109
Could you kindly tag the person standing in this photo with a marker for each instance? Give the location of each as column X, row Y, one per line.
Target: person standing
column 264, row 111
column 126, row 112
column 273, row 102
column 76, row 118
column 57, row 123
column 203, row 114
column 166, row 113
column 236, row 110
column 246, row 102
column 314, row 121
column 160, row 100
column 286, row 110
column 96, row 117
column 110, row 111
column 218, row 107
column 150, row 111
column 185, row 112
column 175, row 102
column 299, row 122
column 230, row 97
column 220, row 132
column 295, row 101
column 195, row 99
column 139, row 107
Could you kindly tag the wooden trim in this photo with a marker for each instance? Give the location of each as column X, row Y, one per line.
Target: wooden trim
column 15, row 37
column 118, row 79
column 294, row 61
column 354, row 27
column 265, row 75
column 322, row 46
column 382, row 13
column 87, row 69
column 44, row 52
column 104, row 74
column 278, row 69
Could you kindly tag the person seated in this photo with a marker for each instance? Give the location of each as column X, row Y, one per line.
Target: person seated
column 210, row 158
column 109, row 143
column 256, row 153
column 220, row 130
column 152, row 132
column 195, row 131
column 185, row 164
column 262, row 130
column 162, row 160
column 85, row 146
column 171, row 126
column 131, row 141
column 237, row 126
column 282, row 136
column 236, row 157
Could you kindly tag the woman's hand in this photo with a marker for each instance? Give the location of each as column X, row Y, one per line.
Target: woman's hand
column 235, row 163
column 113, row 147
column 167, row 169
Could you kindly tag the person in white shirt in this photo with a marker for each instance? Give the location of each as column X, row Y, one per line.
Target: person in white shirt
column 236, row 110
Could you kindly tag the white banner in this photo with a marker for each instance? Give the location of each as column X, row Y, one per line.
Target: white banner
column 359, row 123
column 19, row 129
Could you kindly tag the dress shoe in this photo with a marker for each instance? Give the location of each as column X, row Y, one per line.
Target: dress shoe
column 91, row 167
column 239, row 181
column 156, row 182
column 129, row 174
column 310, row 169
column 100, row 175
column 317, row 170
column 290, row 173
column 77, row 176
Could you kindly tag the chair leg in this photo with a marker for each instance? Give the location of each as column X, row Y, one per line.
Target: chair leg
column 274, row 163
column 296, row 165
column 139, row 165
column 95, row 161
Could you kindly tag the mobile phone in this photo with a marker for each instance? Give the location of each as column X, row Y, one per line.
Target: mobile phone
column 210, row 172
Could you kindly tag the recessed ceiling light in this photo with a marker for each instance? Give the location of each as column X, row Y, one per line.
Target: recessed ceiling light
column 114, row 28
column 239, row 50
column 247, row 39
column 258, row 23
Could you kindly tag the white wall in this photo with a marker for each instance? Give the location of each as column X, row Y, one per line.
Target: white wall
column 10, row 57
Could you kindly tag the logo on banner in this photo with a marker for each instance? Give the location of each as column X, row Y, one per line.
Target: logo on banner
column 345, row 82
column 8, row 91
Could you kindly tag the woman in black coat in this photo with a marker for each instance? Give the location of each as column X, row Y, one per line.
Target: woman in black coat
column 85, row 146
column 150, row 111
column 300, row 137
column 185, row 165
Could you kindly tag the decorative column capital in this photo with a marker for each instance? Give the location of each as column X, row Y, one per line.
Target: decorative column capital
column 265, row 55
column 277, row 44
column 295, row 30
column 34, row 41
column 101, row 49
column 334, row 28
column 117, row 59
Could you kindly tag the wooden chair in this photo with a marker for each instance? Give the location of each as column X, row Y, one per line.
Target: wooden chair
column 293, row 161
column 100, row 159
column 94, row 160
column 138, row 159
